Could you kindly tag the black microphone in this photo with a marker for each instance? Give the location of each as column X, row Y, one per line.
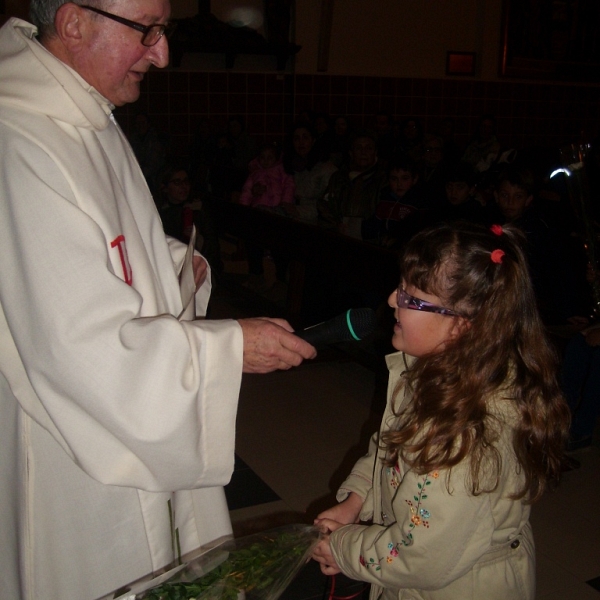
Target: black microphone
column 354, row 324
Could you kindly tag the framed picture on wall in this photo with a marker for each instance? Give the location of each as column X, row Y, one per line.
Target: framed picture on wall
column 460, row 63
column 551, row 39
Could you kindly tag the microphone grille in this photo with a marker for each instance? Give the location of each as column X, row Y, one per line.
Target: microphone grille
column 362, row 321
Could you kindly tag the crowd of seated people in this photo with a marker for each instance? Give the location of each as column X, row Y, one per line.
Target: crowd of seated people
column 381, row 185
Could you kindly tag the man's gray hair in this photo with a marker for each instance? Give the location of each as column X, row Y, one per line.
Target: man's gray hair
column 43, row 12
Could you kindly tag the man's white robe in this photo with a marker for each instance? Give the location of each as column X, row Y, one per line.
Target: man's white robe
column 110, row 407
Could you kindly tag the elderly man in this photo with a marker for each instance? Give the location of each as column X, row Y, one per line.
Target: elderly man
column 117, row 415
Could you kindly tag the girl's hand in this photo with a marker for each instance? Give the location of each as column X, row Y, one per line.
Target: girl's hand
column 322, row 552
column 345, row 512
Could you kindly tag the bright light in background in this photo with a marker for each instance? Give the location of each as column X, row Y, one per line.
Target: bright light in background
column 565, row 171
column 245, row 17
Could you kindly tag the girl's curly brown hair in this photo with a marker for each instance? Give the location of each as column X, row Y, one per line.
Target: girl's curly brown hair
column 502, row 350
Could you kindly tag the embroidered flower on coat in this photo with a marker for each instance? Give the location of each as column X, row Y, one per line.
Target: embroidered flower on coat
column 419, row 518
column 394, row 476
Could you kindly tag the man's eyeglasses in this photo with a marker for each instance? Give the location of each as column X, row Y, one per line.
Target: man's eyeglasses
column 151, row 33
column 404, row 300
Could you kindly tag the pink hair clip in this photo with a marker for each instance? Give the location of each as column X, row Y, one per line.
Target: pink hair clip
column 496, row 229
column 497, row 255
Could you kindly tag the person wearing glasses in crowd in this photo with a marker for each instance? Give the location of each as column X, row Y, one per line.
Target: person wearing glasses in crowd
column 117, row 408
column 180, row 211
column 472, row 434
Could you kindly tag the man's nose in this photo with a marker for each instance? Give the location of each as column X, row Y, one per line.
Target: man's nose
column 159, row 53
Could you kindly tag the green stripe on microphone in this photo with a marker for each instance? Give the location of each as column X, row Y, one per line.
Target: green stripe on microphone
column 350, row 328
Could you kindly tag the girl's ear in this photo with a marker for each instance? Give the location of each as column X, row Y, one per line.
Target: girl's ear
column 461, row 324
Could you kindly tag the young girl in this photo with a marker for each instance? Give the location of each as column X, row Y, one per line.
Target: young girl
column 472, row 435
column 268, row 185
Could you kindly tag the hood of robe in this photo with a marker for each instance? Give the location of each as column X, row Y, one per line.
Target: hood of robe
column 25, row 83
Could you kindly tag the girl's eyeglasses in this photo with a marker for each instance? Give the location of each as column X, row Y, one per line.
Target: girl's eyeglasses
column 404, row 300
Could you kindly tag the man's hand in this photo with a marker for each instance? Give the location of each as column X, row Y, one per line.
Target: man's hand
column 200, row 267
column 269, row 345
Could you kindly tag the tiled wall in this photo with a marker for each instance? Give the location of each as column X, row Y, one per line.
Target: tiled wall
column 528, row 114
column 177, row 101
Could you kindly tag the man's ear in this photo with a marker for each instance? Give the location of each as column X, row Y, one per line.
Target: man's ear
column 70, row 26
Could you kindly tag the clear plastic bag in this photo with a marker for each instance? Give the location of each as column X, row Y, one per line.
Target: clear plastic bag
column 255, row 567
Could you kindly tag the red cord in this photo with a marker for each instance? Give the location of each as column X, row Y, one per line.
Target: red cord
column 332, row 596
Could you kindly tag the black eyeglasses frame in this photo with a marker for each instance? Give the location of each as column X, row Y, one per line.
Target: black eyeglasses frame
column 143, row 29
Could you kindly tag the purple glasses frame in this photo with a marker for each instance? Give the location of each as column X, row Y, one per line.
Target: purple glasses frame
column 404, row 300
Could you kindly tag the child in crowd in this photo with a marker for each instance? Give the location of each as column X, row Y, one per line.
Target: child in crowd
column 302, row 160
column 472, row 435
column 268, row 185
column 461, row 199
column 180, row 211
column 400, row 210
column 558, row 275
column 485, row 147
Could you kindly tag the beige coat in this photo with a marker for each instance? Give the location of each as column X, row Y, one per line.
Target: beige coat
column 428, row 543
column 114, row 414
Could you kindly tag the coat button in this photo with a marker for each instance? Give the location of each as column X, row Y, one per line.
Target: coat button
column 515, row 544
